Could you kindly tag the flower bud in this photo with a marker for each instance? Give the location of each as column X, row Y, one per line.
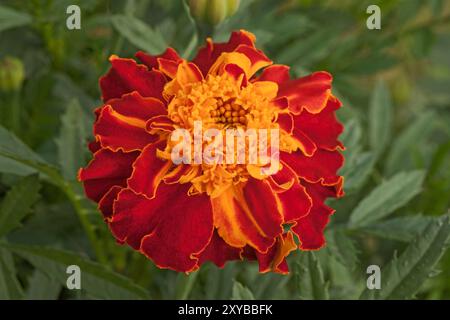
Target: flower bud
column 12, row 74
column 213, row 12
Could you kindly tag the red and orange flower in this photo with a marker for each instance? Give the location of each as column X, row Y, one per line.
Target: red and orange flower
column 182, row 215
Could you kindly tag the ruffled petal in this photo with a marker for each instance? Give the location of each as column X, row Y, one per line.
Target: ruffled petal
column 323, row 128
column 209, row 54
column 149, row 170
column 219, row 252
column 152, row 61
column 310, row 229
column 117, row 132
column 257, row 58
column 277, row 73
column 126, row 76
column 322, row 166
column 106, row 170
column 244, row 216
column 133, row 105
column 186, row 74
column 183, row 232
column 170, row 229
column 275, row 258
column 310, row 92
column 105, row 205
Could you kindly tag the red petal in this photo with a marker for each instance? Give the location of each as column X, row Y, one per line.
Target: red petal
column 106, row 203
column 286, row 122
column 306, row 145
column 249, row 216
column 310, row 229
column 219, row 252
column 135, row 106
column 118, row 132
column 94, row 146
column 322, row 166
column 322, row 128
column 275, row 259
column 134, row 217
column 209, row 54
column 126, row 76
column 152, row 61
column 149, row 170
column 257, row 58
column 310, row 92
column 277, row 73
column 296, row 203
column 106, row 170
column 184, row 230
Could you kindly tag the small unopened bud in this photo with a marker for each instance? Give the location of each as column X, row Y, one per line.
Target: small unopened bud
column 213, row 12
column 12, row 74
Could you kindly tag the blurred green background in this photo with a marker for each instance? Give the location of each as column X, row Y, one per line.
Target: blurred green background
column 395, row 85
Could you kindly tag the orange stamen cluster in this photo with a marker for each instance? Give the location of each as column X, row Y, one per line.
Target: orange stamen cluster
column 228, row 113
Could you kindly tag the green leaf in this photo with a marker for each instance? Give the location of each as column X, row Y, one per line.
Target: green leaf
column 387, row 197
column 380, row 117
column 42, row 287
column 412, row 136
column 139, row 34
column 342, row 248
column 17, row 203
column 400, row 229
column 10, row 287
column 241, row 293
column 403, row 276
column 16, row 154
column 184, row 285
column 10, row 18
column 357, row 173
column 10, row 144
column 71, row 142
column 97, row 281
column 309, row 277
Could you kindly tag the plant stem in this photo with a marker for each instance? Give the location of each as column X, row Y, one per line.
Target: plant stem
column 75, row 200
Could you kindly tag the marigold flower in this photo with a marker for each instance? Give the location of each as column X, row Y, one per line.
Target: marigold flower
column 181, row 215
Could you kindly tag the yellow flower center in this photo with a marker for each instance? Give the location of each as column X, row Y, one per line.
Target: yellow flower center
column 220, row 103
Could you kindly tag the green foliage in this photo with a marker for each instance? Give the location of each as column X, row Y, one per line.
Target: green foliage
column 309, row 278
column 98, row 281
column 17, row 203
column 404, row 275
column 241, row 293
column 393, row 83
column 387, row 197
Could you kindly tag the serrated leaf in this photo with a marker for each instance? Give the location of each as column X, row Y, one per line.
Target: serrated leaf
column 139, row 34
column 17, row 203
column 14, row 152
column 357, row 174
column 342, row 248
column 241, row 293
column 401, row 229
column 10, row 18
column 387, row 197
column 380, row 118
column 309, row 277
column 10, row 144
column 71, row 142
column 42, row 287
column 10, row 287
column 96, row 281
column 403, row 276
column 413, row 135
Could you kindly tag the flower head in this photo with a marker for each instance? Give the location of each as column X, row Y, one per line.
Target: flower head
column 222, row 158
